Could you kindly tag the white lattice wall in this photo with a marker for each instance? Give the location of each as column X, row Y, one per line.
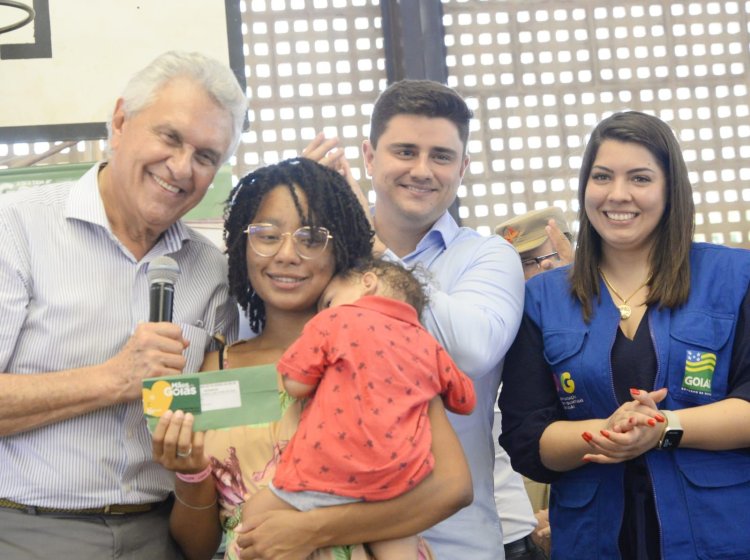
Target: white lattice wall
column 538, row 74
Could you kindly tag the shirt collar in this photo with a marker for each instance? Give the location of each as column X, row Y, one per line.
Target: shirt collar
column 444, row 231
column 85, row 204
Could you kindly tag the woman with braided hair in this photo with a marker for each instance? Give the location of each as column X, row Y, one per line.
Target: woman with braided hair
column 289, row 228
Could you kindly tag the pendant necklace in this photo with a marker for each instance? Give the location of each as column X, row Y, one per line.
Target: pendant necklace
column 625, row 309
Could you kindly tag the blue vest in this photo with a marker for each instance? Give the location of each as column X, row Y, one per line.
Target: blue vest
column 702, row 497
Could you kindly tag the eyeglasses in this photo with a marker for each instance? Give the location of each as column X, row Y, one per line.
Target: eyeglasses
column 538, row 260
column 267, row 239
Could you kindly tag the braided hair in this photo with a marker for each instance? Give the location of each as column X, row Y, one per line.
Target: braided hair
column 330, row 204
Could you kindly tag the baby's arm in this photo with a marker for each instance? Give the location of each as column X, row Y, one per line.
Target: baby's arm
column 457, row 388
column 303, row 364
column 297, row 389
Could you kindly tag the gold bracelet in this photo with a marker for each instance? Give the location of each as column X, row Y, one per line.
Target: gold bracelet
column 198, row 508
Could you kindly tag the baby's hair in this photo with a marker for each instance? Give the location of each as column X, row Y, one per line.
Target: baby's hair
column 401, row 283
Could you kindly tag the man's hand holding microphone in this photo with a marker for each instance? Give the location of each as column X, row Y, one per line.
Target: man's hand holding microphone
column 156, row 348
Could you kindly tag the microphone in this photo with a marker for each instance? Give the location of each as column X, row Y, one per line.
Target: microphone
column 162, row 274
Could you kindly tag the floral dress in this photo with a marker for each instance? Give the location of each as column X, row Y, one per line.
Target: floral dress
column 244, row 459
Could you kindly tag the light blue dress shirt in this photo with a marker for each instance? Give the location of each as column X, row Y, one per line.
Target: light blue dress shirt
column 70, row 296
column 476, row 290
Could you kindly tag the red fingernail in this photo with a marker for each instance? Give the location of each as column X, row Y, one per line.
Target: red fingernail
column 651, row 422
column 659, row 418
column 635, row 391
column 605, row 433
column 586, row 460
column 587, row 436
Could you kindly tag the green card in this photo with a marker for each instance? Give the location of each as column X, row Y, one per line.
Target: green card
column 217, row 399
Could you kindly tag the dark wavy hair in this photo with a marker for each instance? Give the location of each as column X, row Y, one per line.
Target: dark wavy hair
column 423, row 98
column 670, row 256
column 401, row 283
column 330, row 204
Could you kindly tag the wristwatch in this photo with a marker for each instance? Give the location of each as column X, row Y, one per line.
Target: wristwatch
column 672, row 434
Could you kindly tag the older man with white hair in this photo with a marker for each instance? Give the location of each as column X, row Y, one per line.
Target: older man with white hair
column 77, row 479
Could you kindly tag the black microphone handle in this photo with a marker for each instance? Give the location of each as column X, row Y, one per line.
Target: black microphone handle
column 161, row 296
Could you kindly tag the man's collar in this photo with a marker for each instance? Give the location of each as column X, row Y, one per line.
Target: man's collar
column 443, row 230
column 85, row 204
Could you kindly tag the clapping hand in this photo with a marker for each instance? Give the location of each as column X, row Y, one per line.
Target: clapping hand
column 633, row 429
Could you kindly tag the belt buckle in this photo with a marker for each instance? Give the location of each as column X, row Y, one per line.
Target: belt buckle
column 109, row 511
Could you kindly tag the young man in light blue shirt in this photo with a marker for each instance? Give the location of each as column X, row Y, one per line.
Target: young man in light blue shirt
column 416, row 157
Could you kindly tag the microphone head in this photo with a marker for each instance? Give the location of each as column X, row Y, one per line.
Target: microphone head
column 163, row 270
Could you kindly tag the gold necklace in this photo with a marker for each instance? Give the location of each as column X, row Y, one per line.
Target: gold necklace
column 625, row 309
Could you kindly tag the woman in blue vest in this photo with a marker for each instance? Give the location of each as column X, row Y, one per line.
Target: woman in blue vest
column 644, row 336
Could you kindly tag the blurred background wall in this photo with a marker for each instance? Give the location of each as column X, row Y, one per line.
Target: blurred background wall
column 538, row 75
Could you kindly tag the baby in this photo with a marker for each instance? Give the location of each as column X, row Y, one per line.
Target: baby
column 370, row 370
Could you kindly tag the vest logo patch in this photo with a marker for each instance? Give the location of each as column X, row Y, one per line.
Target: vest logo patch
column 567, row 383
column 566, row 391
column 699, row 372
